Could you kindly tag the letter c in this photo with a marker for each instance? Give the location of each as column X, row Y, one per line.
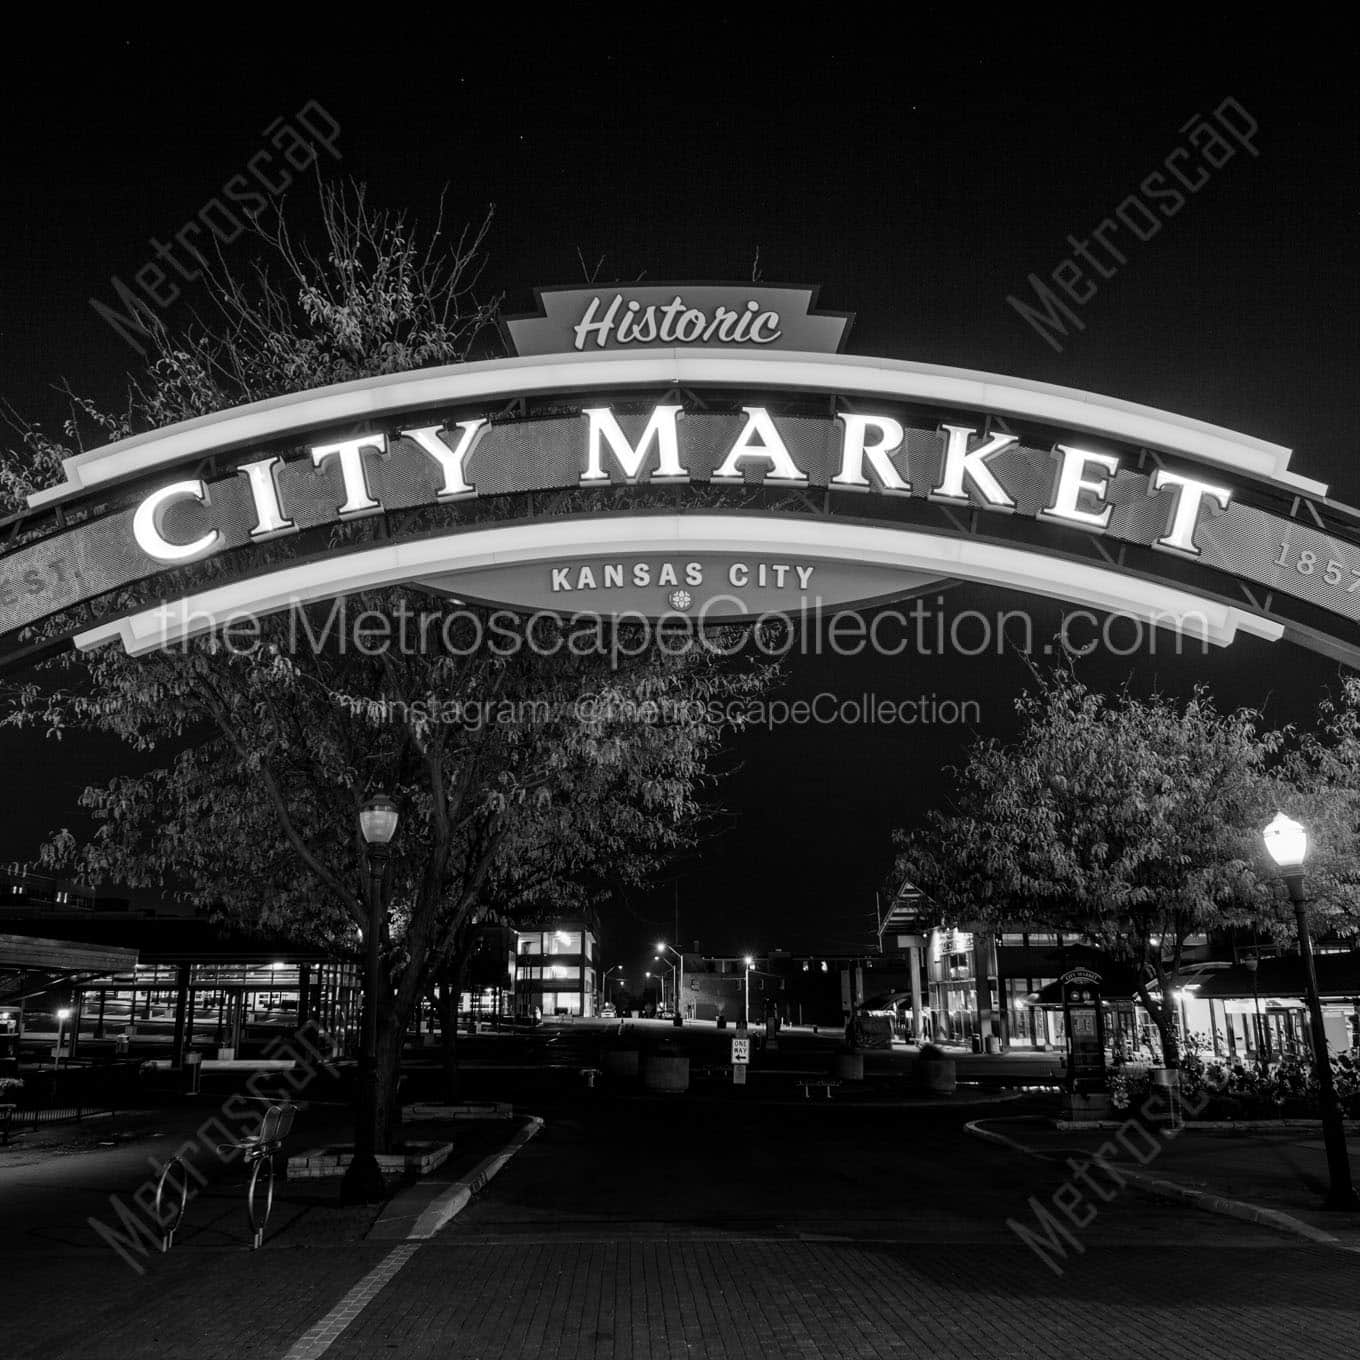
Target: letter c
column 147, row 522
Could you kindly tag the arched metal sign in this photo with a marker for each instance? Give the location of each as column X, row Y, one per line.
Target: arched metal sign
column 716, row 477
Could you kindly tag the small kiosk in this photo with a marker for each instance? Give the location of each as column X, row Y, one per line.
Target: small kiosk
column 1085, row 1095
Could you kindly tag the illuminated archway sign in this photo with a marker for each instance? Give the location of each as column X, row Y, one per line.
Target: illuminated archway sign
column 691, row 450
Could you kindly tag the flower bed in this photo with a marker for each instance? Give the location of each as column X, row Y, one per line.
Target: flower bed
column 1285, row 1088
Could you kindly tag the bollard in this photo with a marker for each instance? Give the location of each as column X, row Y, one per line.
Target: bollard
column 194, row 1062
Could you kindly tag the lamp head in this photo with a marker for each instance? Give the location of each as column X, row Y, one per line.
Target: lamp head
column 1286, row 842
column 378, row 819
column 750, row 962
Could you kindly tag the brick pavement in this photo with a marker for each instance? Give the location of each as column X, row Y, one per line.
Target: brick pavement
column 621, row 1234
column 686, row 1299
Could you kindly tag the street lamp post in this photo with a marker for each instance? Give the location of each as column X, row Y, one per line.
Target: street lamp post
column 663, row 948
column 746, row 1008
column 362, row 1183
column 1252, row 963
column 63, row 1015
column 675, row 986
column 660, row 986
column 604, row 983
column 1287, row 843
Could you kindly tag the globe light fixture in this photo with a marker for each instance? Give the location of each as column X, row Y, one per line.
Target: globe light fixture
column 1286, row 843
column 378, row 820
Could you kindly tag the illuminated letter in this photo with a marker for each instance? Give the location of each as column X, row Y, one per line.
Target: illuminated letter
column 358, row 498
column 1071, row 484
column 146, row 524
column 1189, row 497
column 661, row 429
column 769, row 446
column 961, row 462
column 452, row 461
column 264, row 492
column 855, row 449
column 600, row 329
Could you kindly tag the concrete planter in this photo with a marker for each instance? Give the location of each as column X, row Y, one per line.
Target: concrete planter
column 322, row 1162
column 1089, row 1107
column 848, row 1067
column 468, row 1109
column 938, row 1076
column 621, row 1063
column 666, row 1072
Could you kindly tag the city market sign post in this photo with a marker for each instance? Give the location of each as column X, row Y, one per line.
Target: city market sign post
column 739, row 465
column 1085, row 1095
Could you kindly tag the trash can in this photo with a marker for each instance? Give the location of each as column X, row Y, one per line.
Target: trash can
column 977, row 1043
column 1166, row 1083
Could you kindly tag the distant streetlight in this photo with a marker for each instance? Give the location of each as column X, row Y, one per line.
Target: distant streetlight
column 675, row 985
column 362, row 1183
column 663, row 948
column 604, row 981
column 661, row 985
column 1287, row 843
column 63, row 1015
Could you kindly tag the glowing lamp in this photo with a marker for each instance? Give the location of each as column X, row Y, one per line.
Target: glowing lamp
column 1286, row 842
column 378, row 819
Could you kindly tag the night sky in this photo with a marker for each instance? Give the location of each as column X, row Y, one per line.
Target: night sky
column 918, row 183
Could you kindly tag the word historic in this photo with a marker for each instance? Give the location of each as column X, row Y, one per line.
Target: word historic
column 174, row 524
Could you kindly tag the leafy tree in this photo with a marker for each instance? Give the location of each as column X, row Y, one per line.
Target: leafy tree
column 526, row 780
column 1323, row 792
column 1130, row 824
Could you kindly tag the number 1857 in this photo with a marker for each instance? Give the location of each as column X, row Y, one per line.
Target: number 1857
column 1308, row 564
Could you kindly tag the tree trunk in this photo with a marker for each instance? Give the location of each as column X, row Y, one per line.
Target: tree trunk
column 1163, row 1013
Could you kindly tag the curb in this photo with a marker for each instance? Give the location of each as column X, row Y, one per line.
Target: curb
column 1183, row 1194
column 703, row 1098
column 411, row 1216
column 1215, row 1125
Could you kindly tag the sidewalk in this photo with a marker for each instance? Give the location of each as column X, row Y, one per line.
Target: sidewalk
column 210, row 1291
column 1281, row 1172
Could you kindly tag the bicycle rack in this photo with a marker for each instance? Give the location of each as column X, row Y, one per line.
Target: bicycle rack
column 168, row 1230
column 260, row 1150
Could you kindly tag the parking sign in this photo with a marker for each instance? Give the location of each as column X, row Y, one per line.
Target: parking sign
column 741, row 1051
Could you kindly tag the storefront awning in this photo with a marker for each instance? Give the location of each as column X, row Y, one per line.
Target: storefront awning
column 1338, row 979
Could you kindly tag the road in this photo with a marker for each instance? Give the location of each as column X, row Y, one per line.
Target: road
column 690, row 1226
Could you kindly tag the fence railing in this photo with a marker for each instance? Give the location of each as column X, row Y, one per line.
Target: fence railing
column 65, row 1095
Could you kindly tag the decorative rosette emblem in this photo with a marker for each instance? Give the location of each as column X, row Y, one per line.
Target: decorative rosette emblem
column 680, row 599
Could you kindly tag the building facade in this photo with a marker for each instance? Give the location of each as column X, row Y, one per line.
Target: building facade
column 556, row 970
